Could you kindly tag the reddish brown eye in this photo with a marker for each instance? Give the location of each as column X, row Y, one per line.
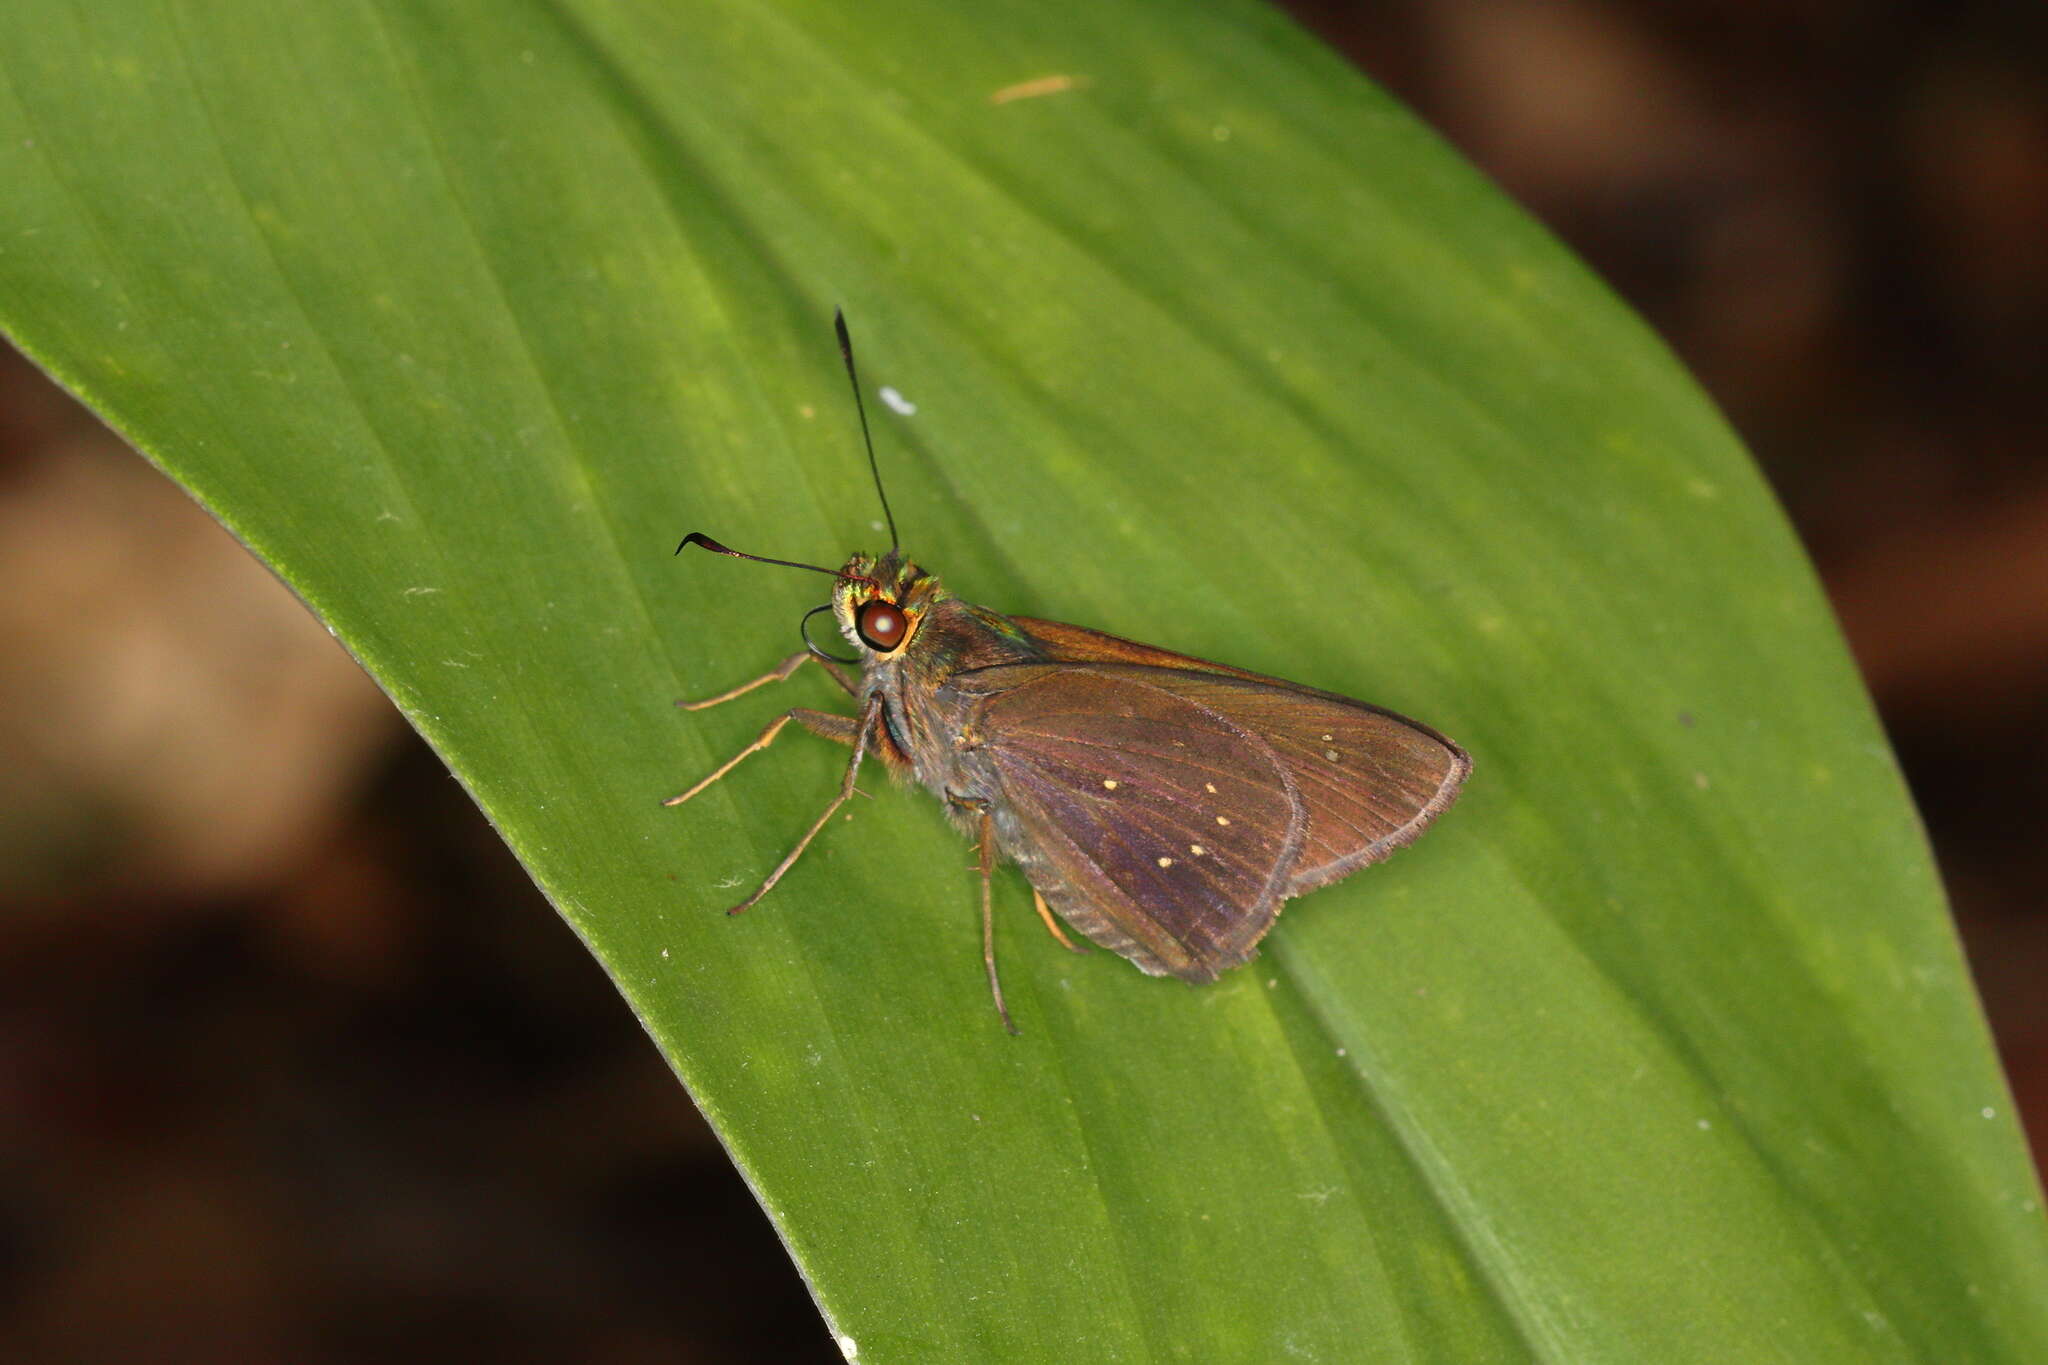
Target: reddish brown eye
column 881, row 625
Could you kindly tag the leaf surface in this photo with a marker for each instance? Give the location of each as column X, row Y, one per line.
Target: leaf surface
column 1658, row 1046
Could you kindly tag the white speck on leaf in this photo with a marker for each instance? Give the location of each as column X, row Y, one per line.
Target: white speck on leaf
column 898, row 404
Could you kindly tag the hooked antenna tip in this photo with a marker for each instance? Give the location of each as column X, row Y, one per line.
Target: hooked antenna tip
column 699, row 538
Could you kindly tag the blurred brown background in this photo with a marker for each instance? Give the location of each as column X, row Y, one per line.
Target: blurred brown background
column 267, row 980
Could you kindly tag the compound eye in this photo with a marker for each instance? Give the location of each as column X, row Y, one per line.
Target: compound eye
column 881, row 625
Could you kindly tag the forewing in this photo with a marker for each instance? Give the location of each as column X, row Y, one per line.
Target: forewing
column 1371, row 780
column 1157, row 826
column 1404, row 774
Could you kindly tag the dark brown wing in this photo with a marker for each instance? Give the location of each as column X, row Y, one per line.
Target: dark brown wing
column 1350, row 827
column 1167, row 811
column 1372, row 780
column 1156, row 826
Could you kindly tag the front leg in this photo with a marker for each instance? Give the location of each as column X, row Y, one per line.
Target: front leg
column 779, row 673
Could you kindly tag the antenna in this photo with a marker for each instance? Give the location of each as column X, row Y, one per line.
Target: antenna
column 846, row 352
column 699, row 538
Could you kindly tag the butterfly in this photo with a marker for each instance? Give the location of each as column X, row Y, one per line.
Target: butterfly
column 1162, row 805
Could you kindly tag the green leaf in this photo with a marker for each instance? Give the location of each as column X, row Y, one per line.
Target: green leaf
column 460, row 313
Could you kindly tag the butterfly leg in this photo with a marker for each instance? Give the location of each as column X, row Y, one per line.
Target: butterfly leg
column 1052, row 925
column 779, row 673
column 860, row 729
column 988, row 919
column 837, row 728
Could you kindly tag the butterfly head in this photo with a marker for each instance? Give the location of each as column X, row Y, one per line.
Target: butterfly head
column 879, row 602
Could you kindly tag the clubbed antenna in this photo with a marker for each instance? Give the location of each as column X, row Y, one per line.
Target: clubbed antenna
column 699, row 538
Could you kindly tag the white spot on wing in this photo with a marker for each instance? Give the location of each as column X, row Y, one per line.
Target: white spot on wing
column 1109, row 784
column 1222, row 819
column 1197, row 850
column 1209, row 787
column 1166, row 862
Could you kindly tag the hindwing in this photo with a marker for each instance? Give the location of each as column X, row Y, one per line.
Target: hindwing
column 1166, row 810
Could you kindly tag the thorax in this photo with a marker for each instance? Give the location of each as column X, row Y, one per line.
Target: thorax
column 931, row 723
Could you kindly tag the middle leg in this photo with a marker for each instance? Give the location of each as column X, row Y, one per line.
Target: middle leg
column 839, row 729
column 870, row 715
